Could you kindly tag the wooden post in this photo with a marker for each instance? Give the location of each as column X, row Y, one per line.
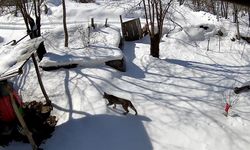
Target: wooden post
column 106, row 22
column 208, row 44
column 92, row 23
column 121, row 19
column 122, row 25
column 40, row 80
column 219, row 43
column 89, row 30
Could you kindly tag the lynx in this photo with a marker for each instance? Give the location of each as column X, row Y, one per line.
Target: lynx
column 116, row 100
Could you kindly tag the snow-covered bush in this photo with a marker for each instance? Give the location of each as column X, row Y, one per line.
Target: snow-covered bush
column 87, row 35
column 201, row 32
column 90, row 36
column 84, row 35
column 135, row 12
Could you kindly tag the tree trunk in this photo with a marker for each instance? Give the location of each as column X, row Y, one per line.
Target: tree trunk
column 235, row 13
column 35, row 31
column 214, row 7
column 155, row 45
column 236, row 20
column 66, row 42
column 222, row 9
column 33, row 27
column 226, row 10
column 198, row 5
column 217, row 10
column 237, row 26
column 156, row 11
column 249, row 17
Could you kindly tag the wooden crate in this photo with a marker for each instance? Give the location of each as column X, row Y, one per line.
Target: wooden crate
column 131, row 30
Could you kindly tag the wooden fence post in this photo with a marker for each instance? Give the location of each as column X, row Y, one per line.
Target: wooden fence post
column 92, row 23
column 122, row 25
column 106, row 22
column 208, row 41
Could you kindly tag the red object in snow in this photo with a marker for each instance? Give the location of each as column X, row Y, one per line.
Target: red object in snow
column 227, row 106
column 7, row 113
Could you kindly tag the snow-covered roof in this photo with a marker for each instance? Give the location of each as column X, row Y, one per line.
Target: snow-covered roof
column 101, row 46
column 14, row 57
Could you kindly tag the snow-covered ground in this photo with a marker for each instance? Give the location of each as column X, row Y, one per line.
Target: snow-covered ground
column 179, row 98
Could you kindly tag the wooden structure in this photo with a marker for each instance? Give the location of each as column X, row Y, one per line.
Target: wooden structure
column 131, row 30
column 15, row 70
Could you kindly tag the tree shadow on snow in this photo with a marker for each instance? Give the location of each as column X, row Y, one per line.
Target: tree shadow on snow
column 130, row 55
column 105, row 132
column 214, row 69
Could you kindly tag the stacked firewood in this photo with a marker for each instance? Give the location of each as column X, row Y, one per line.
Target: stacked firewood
column 39, row 121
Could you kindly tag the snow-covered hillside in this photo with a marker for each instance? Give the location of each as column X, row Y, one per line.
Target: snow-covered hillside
column 180, row 97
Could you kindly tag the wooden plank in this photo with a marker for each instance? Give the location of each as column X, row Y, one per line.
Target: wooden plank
column 16, row 69
column 13, row 71
column 8, row 76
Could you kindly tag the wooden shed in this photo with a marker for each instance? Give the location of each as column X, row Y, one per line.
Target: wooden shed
column 131, row 29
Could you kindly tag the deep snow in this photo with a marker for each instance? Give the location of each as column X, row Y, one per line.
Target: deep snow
column 179, row 98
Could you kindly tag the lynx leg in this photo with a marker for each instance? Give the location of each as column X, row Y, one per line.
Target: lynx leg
column 114, row 106
column 132, row 107
column 125, row 107
column 109, row 104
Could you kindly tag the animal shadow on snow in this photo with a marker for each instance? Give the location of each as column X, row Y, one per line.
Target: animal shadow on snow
column 101, row 132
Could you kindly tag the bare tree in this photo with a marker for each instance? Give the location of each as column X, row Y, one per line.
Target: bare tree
column 224, row 9
column 235, row 13
column 66, row 36
column 236, row 20
column 155, row 12
column 33, row 26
